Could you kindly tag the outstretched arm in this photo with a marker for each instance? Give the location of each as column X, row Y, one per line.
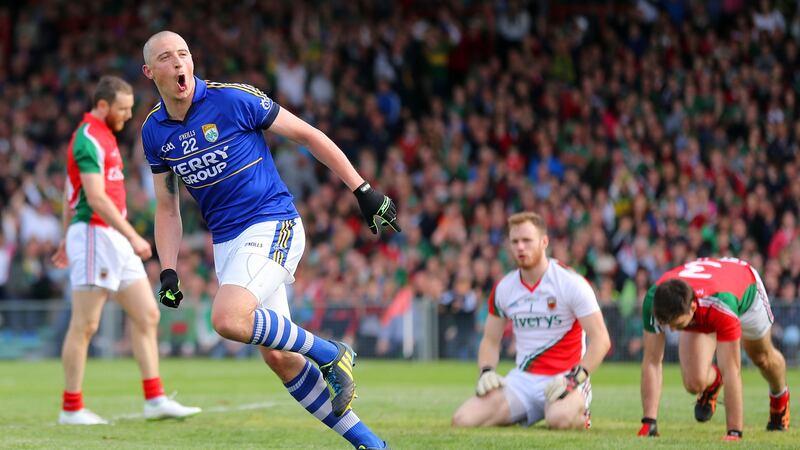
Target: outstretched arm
column 324, row 149
column 378, row 209
column 599, row 342
column 489, row 355
column 59, row 258
column 729, row 360
column 489, row 350
column 95, row 189
column 652, row 373
column 168, row 225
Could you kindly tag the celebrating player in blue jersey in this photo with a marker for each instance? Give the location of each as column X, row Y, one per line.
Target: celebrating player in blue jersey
column 210, row 136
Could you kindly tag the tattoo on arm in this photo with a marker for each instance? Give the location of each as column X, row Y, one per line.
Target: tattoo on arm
column 172, row 183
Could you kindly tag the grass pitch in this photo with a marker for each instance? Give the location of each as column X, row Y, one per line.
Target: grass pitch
column 408, row 404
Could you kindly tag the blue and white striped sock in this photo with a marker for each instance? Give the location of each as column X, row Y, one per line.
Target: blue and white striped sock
column 310, row 390
column 273, row 330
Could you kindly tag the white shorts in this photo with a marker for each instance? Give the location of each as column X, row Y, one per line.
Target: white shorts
column 757, row 320
column 525, row 394
column 263, row 259
column 101, row 256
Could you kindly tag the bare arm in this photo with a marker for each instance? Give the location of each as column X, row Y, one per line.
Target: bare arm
column 489, row 350
column 168, row 225
column 729, row 359
column 94, row 187
column 59, row 258
column 599, row 342
column 324, row 149
column 652, row 373
column 66, row 212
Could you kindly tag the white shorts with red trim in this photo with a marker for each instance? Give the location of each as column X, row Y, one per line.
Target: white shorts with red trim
column 263, row 259
column 101, row 256
column 757, row 320
column 525, row 394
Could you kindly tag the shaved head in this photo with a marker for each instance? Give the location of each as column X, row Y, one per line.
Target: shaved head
column 150, row 47
column 168, row 62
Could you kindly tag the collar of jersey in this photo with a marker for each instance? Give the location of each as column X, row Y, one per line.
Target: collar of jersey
column 89, row 117
column 200, row 91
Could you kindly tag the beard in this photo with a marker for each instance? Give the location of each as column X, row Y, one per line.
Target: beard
column 115, row 125
column 529, row 262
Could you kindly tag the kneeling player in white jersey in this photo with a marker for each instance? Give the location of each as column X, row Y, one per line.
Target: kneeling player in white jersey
column 553, row 309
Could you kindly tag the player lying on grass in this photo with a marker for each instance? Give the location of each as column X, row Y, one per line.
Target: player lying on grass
column 702, row 298
column 550, row 307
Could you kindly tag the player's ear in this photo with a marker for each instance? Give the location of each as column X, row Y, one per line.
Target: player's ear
column 147, row 72
column 103, row 106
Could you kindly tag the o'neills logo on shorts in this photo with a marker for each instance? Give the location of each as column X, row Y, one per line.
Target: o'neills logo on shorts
column 254, row 244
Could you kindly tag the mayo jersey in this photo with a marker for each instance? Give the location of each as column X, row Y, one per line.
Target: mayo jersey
column 545, row 316
column 93, row 149
column 724, row 289
column 220, row 154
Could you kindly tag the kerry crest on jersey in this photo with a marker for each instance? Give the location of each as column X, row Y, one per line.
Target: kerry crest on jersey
column 210, row 132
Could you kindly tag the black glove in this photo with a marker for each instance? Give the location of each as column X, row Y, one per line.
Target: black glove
column 649, row 428
column 378, row 209
column 170, row 293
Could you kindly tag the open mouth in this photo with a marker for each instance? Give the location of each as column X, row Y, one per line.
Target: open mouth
column 181, row 82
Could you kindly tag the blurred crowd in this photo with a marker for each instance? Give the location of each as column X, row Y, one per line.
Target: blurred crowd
column 646, row 132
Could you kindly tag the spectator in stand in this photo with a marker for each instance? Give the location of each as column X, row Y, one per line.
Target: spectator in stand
column 662, row 132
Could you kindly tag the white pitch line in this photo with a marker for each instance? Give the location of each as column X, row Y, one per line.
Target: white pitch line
column 213, row 409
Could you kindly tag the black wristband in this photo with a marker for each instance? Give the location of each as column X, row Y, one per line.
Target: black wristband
column 485, row 369
column 649, row 420
column 737, row 433
column 168, row 273
column 362, row 189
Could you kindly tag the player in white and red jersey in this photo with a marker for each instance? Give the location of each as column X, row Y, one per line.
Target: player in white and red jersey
column 717, row 303
column 552, row 310
column 104, row 253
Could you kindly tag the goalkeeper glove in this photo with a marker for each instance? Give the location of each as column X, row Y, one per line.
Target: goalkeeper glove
column 378, row 209
column 170, row 293
column 733, row 435
column 488, row 381
column 649, row 428
column 561, row 386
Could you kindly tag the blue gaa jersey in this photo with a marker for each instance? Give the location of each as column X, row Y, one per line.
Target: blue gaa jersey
column 220, row 153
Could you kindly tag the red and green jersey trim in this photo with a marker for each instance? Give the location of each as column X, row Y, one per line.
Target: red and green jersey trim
column 558, row 354
column 494, row 308
column 88, row 156
column 648, row 318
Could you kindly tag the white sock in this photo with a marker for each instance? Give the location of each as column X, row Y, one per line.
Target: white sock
column 779, row 394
